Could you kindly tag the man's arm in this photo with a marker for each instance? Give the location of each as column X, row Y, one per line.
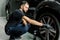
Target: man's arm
column 24, row 22
column 32, row 21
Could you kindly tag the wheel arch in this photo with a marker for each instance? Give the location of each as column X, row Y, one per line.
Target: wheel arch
column 49, row 6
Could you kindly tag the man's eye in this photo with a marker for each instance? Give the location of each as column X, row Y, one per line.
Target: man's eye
column 26, row 7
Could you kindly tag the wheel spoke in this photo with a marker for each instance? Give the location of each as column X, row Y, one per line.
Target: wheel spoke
column 43, row 32
column 41, row 21
column 44, row 20
column 52, row 30
column 48, row 20
column 47, row 36
column 52, row 35
column 51, row 22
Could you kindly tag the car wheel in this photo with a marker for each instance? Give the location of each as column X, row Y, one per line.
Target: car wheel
column 50, row 32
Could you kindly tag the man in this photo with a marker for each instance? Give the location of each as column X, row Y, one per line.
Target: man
column 16, row 19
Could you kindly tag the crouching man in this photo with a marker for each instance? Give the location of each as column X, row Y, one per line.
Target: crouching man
column 19, row 23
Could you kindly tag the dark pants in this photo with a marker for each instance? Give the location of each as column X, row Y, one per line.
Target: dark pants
column 18, row 30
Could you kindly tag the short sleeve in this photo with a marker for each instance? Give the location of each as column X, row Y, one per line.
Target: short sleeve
column 16, row 15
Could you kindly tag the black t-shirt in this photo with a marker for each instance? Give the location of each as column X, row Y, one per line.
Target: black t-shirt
column 16, row 16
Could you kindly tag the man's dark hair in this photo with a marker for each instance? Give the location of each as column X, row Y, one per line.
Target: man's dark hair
column 23, row 2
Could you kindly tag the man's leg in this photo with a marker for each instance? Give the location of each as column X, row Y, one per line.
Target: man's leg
column 22, row 28
column 16, row 32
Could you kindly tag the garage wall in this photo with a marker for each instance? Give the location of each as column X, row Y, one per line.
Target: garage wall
column 2, row 7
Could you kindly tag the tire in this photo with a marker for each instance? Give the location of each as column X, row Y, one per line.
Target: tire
column 52, row 32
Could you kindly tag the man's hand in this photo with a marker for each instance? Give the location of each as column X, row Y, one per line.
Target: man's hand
column 24, row 22
column 47, row 26
column 41, row 24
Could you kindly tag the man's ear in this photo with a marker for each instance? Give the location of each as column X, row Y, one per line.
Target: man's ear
column 22, row 6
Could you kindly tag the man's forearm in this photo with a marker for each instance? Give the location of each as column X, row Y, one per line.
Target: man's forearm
column 33, row 21
column 36, row 23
